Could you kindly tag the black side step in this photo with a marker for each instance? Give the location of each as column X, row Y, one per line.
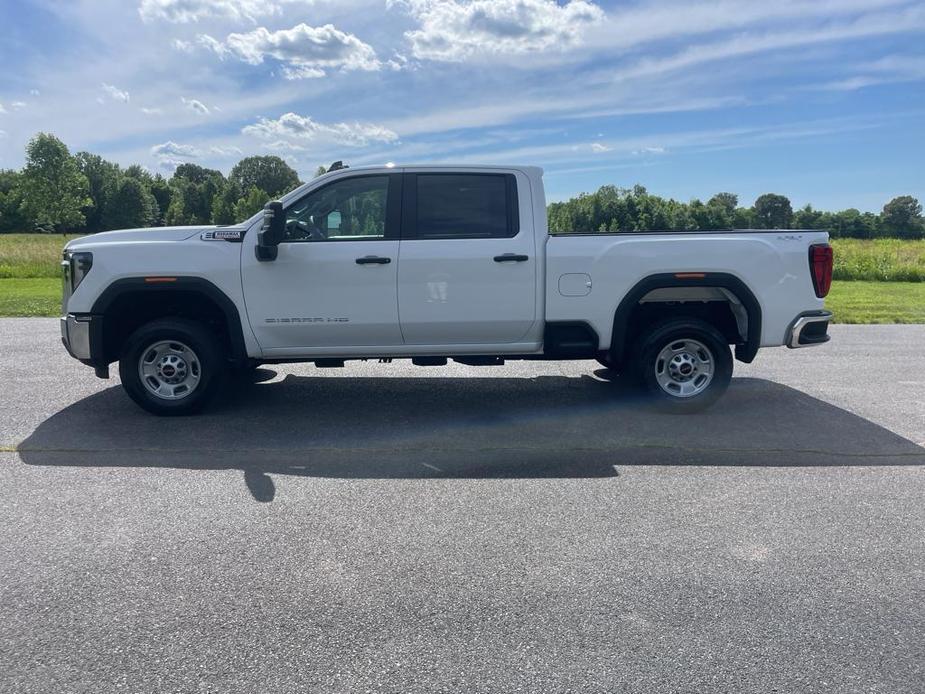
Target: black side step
column 329, row 363
column 480, row 361
column 429, row 361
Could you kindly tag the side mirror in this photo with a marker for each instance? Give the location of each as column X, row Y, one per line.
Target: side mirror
column 272, row 232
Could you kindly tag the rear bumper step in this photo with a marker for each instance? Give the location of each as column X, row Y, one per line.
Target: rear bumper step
column 809, row 329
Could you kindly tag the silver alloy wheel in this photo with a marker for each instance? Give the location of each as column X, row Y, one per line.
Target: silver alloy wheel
column 169, row 370
column 684, row 368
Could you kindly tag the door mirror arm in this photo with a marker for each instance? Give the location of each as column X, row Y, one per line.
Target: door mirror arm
column 272, row 231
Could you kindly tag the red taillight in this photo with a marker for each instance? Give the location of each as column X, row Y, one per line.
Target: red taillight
column 820, row 267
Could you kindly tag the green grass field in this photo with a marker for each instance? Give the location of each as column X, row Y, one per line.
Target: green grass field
column 887, row 278
column 879, row 260
column 32, row 296
column 877, row 302
column 31, row 255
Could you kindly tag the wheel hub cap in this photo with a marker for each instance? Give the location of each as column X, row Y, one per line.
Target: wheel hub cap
column 169, row 370
column 684, row 368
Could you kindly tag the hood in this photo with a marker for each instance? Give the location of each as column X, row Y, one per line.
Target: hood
column 156, row 234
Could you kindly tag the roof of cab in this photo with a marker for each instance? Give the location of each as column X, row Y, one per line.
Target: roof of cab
column 535, row 170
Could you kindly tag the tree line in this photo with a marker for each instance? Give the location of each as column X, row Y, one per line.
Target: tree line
column 57, row 191
column 635, row 209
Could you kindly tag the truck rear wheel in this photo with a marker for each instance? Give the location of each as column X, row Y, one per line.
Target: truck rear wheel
column 685, row 365
column 171, row 366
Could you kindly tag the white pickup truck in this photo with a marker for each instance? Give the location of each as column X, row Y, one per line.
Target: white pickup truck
column 432, row 263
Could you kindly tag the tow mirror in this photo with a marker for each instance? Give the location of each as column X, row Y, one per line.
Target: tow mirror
column 271, row 232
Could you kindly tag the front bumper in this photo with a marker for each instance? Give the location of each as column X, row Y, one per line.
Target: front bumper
column 82, row 336
column 809, row 329
column 75, row 334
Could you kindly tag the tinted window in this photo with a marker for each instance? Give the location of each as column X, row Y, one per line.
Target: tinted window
column 464, row 206
column 347, row 210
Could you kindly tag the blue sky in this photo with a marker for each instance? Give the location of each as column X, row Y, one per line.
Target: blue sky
column 821, row 100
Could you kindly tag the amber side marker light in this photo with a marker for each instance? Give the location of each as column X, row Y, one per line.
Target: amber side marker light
column 160, row 279
column 690, row 275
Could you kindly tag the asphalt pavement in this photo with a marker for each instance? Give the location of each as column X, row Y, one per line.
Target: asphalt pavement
column 525, row 528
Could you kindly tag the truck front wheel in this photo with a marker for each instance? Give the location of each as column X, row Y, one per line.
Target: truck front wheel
column 685, row 365
column 171, row 366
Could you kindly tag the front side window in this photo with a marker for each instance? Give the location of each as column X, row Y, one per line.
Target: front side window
column 352, row 209
column 471, row 206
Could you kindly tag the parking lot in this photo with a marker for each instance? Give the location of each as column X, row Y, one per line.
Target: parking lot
column 531, row 527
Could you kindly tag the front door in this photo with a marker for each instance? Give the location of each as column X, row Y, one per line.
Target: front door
column 467, row 269
column 333, row 283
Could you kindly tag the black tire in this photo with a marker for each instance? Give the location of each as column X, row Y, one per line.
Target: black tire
column 203, row 356
column 688, row 336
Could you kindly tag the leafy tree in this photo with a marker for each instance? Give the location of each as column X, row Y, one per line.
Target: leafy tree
column 11, row 214
column 728, row 202
column 140, row 174
column 224, row 203
column 162, row 193
column 102, row 179
column 196, row 174
column 902, row 217
column 54, row 190
column 712, row 216
column 193, row 190
column 809, row 218
column 130, row 206
column 269, row 173
column 183, row 203
column 773, row 211
column 320, row 171
column 250, row 204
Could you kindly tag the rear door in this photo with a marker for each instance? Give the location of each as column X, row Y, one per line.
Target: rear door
column 467, row 262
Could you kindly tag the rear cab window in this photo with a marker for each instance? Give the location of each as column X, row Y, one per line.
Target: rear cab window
column 461, row 206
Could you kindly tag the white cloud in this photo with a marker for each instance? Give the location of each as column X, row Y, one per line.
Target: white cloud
column 649, row 150
column 454, row 30
column 283, row 145
column 151, row 111
column 740, row 45
column 18, row 104
column 226, row 150
column 184, row 11
column 887, row 70
column 171, row 149
column 212, row 44
column 170, row 155
column 2, row 110
column 195, row 105
column 304, row 51
column 115, row 93
column 34, row 92
column 182, row 46
column 599, row 148
column 294, row 126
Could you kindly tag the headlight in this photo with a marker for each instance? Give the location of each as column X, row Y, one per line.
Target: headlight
column 80, row 266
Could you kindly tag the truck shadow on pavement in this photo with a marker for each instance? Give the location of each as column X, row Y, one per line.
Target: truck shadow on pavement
column 433, row 427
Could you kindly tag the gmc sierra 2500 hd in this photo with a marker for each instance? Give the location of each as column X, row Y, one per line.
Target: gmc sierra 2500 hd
column 432, row 263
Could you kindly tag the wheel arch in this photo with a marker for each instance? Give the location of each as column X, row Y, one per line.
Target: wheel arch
column 194, row 295
column 622, row 330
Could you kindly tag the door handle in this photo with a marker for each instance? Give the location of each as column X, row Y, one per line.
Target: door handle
column 373, row 260
column 511, row 258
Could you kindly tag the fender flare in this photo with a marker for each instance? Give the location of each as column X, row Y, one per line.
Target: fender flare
column 744, row 352
column 199, row 285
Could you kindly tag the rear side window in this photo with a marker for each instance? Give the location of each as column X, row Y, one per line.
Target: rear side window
column 466, row 206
